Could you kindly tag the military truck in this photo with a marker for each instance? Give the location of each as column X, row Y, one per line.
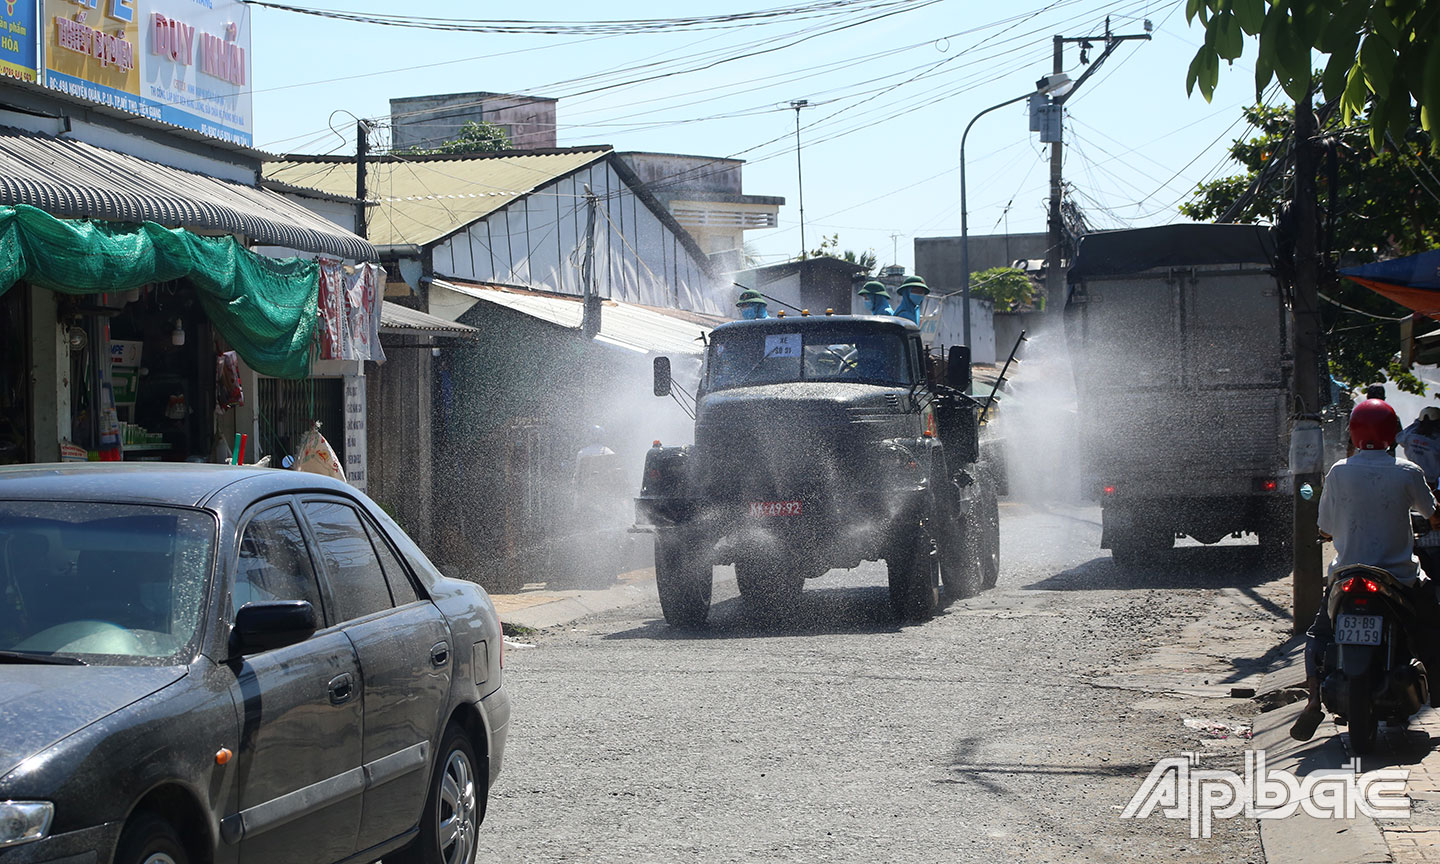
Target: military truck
column 1178, row 337
column 821, row 442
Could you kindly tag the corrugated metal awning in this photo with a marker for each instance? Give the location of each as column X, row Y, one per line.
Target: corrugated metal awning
column 403, row 321
column 423, row 199
column 72, row 179
column 622, row 325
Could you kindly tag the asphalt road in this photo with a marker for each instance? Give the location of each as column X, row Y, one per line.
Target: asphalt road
column 1011, row 727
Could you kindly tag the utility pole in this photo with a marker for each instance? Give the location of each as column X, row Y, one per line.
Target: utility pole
column 362, row 150
column 797, row 104
column 1306, row 463
column 590, row 304
column 1054, row 246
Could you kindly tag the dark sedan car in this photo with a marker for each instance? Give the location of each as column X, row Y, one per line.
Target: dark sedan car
column 217, row 664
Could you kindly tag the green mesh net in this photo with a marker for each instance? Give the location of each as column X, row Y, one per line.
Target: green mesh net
column 264, row 307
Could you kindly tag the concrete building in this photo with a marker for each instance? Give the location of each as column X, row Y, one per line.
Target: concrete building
column 501, row 245
column 938, row 258
column 426, row 121
column 705, row 195
column 815, row 284
column 108, row 341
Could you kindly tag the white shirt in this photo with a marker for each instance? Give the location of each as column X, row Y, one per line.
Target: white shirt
column 1366, row 506
column 1423, row 450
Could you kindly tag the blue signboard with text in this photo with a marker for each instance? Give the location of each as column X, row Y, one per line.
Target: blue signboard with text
column 20, row 39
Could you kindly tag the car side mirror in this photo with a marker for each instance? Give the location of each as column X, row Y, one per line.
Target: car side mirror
column 957, row 368
column 276, row 624
column 662, row 376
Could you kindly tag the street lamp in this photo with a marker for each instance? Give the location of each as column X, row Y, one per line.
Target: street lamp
column 1058, row 83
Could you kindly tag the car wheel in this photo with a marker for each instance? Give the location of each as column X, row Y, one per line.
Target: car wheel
column 450, row 825
column 148, row 839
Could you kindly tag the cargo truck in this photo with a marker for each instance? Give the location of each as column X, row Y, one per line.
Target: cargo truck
column 1179, row 341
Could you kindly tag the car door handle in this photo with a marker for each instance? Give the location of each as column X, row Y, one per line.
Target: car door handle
column 440, row 654
column 342, row 687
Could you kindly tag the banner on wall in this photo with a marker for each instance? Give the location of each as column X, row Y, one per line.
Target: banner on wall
column 183, row 62
column 20, row 39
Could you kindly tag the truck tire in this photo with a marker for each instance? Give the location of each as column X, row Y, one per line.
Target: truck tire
column 914, row 576
column 988, row 523
column 959, row 548
column 960, row 562
column 683, row 578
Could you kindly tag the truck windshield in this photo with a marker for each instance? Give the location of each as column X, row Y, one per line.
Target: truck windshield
column 744, row 359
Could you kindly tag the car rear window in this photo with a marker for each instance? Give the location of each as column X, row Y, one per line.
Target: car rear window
column 109, row 583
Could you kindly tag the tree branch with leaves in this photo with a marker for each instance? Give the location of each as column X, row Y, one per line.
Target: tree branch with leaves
column 1382, row 56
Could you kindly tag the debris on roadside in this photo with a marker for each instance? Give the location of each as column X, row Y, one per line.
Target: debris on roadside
column 1218, row 729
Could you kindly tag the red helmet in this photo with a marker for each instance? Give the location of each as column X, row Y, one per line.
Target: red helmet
column 1373, row 425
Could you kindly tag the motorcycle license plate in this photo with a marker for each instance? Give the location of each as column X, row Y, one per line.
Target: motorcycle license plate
column 766, row 509
column 1357, row 630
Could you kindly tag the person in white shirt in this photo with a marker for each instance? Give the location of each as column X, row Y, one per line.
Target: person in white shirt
column 1365, row 508
column 1421, row 441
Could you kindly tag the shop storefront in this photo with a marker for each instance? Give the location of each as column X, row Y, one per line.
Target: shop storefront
column 127, row 340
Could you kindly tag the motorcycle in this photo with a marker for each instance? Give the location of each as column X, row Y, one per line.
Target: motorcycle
column 1373, row 671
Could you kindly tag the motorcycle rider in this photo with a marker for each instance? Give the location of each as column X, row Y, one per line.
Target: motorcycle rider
column 1421, row 441
column 1365, row 508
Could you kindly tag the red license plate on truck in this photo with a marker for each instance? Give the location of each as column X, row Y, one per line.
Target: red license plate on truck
column 775, row 508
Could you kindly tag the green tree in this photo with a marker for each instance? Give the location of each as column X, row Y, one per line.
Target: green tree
column 1382, row 55
column 474, row 137
column 1384, row 205
column 829, row 247
column 1007, row 287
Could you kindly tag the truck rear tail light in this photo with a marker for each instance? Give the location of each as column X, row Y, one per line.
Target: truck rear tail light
column 1108, row 490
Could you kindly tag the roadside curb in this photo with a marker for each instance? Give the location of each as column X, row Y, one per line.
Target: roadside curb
column 1301, row 838
column 542, row 609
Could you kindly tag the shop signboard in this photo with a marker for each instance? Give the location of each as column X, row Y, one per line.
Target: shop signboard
column 20, row 39
column 356, row 447
column 183, row 62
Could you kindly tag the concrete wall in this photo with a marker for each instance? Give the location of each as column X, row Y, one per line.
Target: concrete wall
column 536, row 242
column 950, row 327
column 938, row 258
column 425, row 121
column 398, row 398
column 668, row 175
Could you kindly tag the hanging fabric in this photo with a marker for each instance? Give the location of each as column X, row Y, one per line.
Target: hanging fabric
column 264, row 307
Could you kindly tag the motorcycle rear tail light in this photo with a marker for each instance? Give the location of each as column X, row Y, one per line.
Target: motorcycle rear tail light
column 1361, row 584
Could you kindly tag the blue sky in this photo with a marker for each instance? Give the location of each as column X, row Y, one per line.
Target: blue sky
column 890, row 98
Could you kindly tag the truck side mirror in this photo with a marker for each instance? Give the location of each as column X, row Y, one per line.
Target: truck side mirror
column 662, row 376
column 957, row 368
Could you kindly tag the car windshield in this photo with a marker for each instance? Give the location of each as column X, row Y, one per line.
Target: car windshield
column 112, row 584
column 745, row 358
